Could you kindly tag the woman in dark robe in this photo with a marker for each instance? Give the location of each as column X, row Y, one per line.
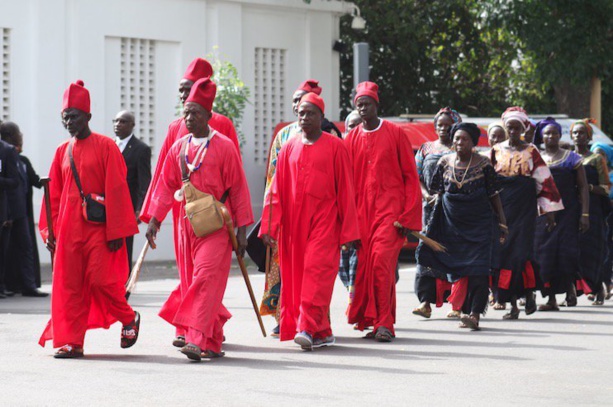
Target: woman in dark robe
column 526, row 183
column 606, row 151
column 593, row 247
column 556, row 252
column 466, row 192
column 431, row 286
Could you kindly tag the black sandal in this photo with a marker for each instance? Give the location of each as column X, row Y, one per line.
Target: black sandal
column 192, row 352
column 129, row 333
column 68, row 352
column 383, row 335
column 209, row 354
column 179, row 341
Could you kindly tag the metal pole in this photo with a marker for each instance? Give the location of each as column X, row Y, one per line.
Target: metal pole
column 360, row 63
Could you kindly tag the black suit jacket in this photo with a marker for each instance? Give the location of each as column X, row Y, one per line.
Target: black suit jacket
column 10, row 180
column 138, row 160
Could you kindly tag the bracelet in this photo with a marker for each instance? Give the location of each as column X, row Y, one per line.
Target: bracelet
column 585, row 214
column 503, row 226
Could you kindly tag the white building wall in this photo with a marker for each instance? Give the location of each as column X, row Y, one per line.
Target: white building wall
column 55, row 42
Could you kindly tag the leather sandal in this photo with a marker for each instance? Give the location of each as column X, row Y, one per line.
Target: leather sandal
column 383, row 335
column 129, row 333
column 423, row 311
column 499, row 307
column 192, row 352
column 514, row 314
column 68, row 352
column 470, row 322
column 548, row 307
column 179, row 341
column 209, row 354
column 454, row 314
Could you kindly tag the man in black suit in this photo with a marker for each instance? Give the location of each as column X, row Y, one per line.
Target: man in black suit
column 16, row 234
column 138, row 160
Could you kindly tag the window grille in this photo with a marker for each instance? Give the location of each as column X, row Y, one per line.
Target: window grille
column 5, row 98
column 138, row 85
column 269, row 97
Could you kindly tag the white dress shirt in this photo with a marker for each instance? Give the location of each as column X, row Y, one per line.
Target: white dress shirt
column 123, row 143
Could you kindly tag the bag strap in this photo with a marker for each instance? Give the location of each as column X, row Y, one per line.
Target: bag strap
column 73, row 168
column 182, row 163
column 185, row 173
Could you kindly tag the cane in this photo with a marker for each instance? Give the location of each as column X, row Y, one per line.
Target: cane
column 230, row 227
column 51, row 236
column 135, row 273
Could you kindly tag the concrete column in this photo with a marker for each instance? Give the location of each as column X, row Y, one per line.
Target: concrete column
column 596, row 101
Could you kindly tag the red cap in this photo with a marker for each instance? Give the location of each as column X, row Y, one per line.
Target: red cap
column 76, row 96
column 367, row 89
column 199, row 68
column 203, row 92
column 310, row 85
column 314, row 99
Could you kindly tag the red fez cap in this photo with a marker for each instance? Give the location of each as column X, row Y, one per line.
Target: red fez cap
column 199, row 68
column 76, row 96
column 367, row 89
column 310, row 85
column 314, row 99
column 203, row 92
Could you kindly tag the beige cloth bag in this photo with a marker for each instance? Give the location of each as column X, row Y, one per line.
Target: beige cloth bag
column 201, row 209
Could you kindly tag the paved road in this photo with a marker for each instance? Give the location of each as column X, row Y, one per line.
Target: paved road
column 553, row 359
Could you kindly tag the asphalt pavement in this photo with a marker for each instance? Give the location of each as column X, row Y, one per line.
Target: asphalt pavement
column 547, row 359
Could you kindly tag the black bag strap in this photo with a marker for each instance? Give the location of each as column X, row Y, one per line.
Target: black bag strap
column 75, row 174
column 185, row 174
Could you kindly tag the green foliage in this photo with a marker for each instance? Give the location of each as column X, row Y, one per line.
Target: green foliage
column 232, row 93
column 481, row 56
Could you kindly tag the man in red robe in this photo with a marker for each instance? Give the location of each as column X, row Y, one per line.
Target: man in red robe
column 387, row 190
column 313, row 213
column 199, row 68
column 90, row 262
column 214, row 168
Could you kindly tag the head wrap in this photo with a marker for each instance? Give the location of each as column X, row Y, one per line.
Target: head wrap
column 369, row 89
column 310, row 86
column 199, row 68
column 471, row 128
column 455, row 116
column 540, row 126
column 516, row 113
column 606, row 149
column 76, row 96
column 586, row 122
column 498, row 124
column 313, row 99
column 203, row 93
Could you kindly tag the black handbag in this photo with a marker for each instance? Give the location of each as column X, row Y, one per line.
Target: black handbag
column 94, row 209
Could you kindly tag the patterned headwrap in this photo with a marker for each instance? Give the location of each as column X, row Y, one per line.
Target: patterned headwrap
column 498, row 124
column 471, row 128
column 516, row 113
column 455, row 116
column 606, row 149
column 586, row 122
column 540, row 126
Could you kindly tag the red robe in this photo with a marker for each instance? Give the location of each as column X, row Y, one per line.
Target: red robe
column 88, row 279
column 313, row 207
column 204, row 263
column 176, row 130
column 387, row 189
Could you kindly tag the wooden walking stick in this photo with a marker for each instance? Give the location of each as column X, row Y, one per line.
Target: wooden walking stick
column 135, row 273
column 241, row 263
column 433, row 244
column 50, row 236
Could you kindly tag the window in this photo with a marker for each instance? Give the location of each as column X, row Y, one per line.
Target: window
column 138, row 85
column 269, row 96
